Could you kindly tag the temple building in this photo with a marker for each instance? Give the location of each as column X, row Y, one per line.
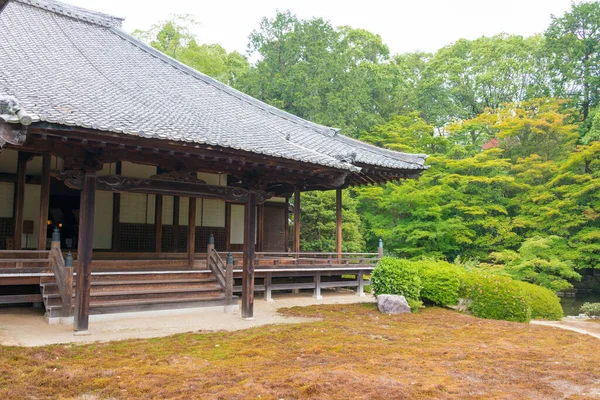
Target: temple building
column 163, row 184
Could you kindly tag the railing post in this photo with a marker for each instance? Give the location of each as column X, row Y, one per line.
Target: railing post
column 209, row 249
column 317, row 291
column 268, row 283
column 67, row 307
column 360, row 288
column 229, row 284
column 380, row 249
column 55, row 245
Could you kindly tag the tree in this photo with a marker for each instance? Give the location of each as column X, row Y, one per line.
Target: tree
column 573, row 43
column 174, row 38
column 318, row 213
column 463, row 79
column 407, row 133
column 333, row 76
column 538, row 126
column 541, row 260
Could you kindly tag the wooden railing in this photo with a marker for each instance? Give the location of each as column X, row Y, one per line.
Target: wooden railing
column 63, row 273
column 223, row 272
column 307, row 260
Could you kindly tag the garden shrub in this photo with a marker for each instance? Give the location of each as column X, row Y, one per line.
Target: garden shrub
column 497, row 297
column 591, row 309
column 415, row 305
column 544, row 303
column 396, row 276
column 440, row 281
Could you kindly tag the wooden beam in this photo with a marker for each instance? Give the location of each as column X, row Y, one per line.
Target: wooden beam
column 191, row 233
column 176, row 201
column 296, row 247
column 158, row 208
column 84, row 253
column 44, row 201
column 338, row 221
column 248, row 268
column 20, row 199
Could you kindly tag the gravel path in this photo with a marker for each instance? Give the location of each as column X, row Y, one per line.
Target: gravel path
column 27, row 326
column 585, row 327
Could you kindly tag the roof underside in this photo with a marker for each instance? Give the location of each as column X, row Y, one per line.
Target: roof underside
column 74, row 67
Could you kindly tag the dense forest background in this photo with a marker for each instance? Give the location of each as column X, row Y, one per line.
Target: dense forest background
column 511, row 125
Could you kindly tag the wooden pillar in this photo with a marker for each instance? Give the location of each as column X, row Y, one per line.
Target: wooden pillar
column 44, row 201
column 286, row 233
column 248, row 268
column 261, row 227
column 176, row 200
column 116, row 213
column 296, row 248
column 360, row 284
column 84, row 252
column 338, row 221
column 191, row 233
column 268, row 287
column 227, row 226
column 158, row 208
column 19, row 200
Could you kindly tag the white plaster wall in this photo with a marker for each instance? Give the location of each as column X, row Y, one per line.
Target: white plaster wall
column 213, row 179
column 34, row 166
column 133, row 208
column 213, row 213
column 31, row 212
column 7, row 197
column 236, row 232
column 103, row 218
column 137, row 170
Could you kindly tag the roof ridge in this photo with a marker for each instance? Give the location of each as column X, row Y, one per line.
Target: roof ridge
column 82, row 14
column 326, row 130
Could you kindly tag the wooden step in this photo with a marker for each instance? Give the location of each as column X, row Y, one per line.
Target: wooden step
column 120, row 306
column 143, row 293
column 52, row 287
column 20, row 298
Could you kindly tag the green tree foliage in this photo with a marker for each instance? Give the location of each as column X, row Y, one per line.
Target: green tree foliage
column 174, row 38
column 463, row 79
column 333, row 76
column 317, row 214
column 573, row 43
column 541, row 260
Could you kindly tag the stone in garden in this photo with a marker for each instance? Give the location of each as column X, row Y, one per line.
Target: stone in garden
column 392, row 304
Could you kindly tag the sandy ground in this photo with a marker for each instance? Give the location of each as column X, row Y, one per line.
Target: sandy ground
column 27, row 326
column 584, row 327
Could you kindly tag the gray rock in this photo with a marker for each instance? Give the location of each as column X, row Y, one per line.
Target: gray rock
column 392, row 304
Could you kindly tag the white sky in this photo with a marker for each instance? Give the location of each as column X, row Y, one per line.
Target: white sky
column 405, row 26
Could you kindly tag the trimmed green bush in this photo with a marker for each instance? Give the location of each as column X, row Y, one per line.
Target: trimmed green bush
column 497, row 297
column 544, row 303
column 441, row 282
column 396, row 276
column 591, row 309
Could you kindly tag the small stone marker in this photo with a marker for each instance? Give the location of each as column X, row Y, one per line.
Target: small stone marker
column 392, row 304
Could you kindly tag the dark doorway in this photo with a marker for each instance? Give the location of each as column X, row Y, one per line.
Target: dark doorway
column 64, row 214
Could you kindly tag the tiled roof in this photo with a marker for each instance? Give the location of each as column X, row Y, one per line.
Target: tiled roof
column 71, row 66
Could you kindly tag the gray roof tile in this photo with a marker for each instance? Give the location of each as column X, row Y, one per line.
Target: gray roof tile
column 76, row 67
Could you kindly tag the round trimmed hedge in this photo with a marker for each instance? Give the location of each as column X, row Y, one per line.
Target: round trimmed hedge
column 396, row 276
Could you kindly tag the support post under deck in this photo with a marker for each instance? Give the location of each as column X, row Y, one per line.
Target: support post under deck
column 84, row 253
column 248, row 268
